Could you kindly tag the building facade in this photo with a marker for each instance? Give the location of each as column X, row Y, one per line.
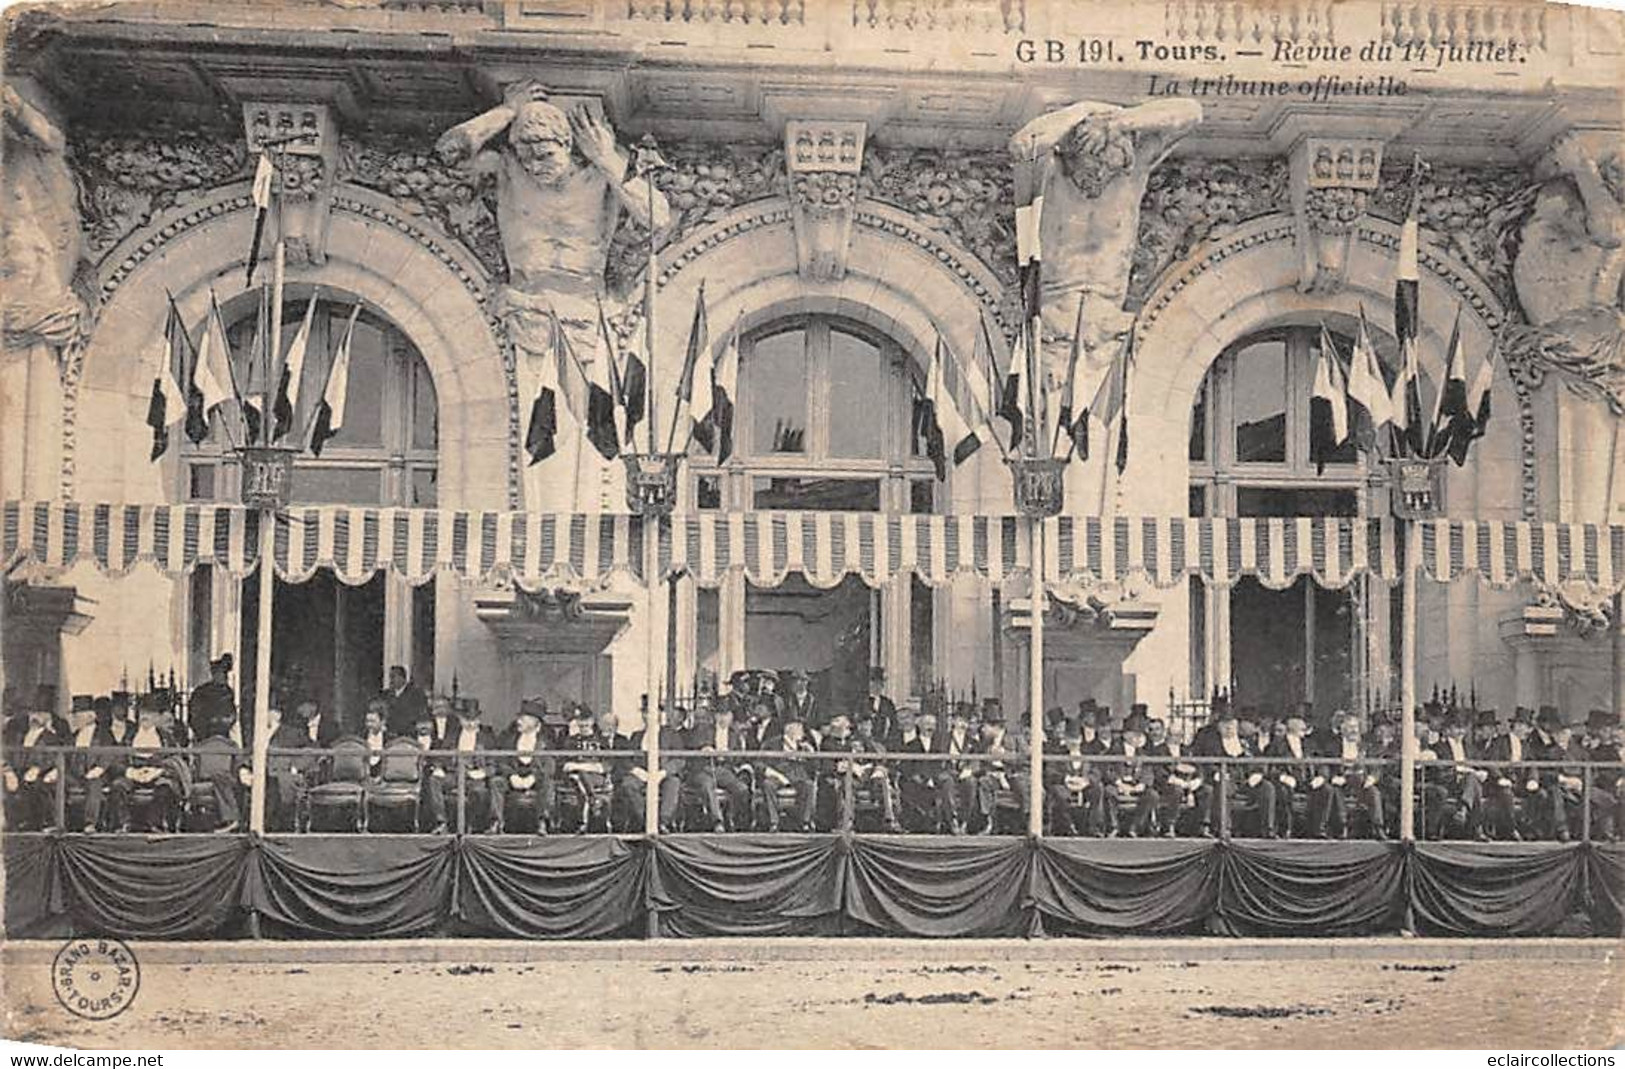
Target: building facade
column 840, row 187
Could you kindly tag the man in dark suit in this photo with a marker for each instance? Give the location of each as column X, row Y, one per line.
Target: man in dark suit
column 719, row 735
column 522, row 772
column 764, row 725
column 1007, row 771
column 1173, row 780
column 1071, row 785
column 628, row 801
column 288, row 773
column 800, row 703
column 1353, row 786
column 1296, row 774
column 790, row 771
column 1130, row 781
column 29, row 772
column 1607, row 783
column 1509, row 784
column 166, row 775
column 481, row 772
column 956, row 783
column 881, row 709
column 1550, row 816
column 212, row 708
column 88, row 768
column 1463, row 783
column 406, row 703
column 1247, row 779
column 320, row 728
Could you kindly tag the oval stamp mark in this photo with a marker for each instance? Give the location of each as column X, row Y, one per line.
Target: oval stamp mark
column 96, row 979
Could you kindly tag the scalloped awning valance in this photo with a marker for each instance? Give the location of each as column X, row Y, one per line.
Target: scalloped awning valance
column 536, row 550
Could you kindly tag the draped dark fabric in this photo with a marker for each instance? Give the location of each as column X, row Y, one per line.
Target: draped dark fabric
column 1495, row 888
column 749, row 884
column 1605, row 886
column 169, row 887
column 1310, row 888
column 383, row 886
column 1154, row 887
column 34, row 901
column 940, row 887
column 206, row 886
column 570, row 888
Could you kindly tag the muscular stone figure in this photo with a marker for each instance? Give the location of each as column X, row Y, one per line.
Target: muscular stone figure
column 1094, row 160
column 1569, row 268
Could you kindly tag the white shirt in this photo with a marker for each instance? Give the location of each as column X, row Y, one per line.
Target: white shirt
column 1517, row 748
column 84, row 735
column 525, row 741
column 439, row 727
column 1128, row 751
column 1295, row 745
column 146, row 737
column 719, row 737
column 375, row 741
column 1456, row 751
column 468, row 738
column 1232, row 747
column 32, row 735
column 311, row 728
column 1351, row 749
column 956, row 742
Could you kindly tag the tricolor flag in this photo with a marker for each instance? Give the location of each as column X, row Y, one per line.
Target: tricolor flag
column 206, row 377
column 1328, row 404
column 724, row 388
column 329, row 417
column 293, row 368
column 1367, row 390
column 541, row 435
column 1111, row 399
column 1450, row 402
column 696, row 366
column 264, row 176
column 249, row 383
column 602, row 389
column 1405, row 402
column 631, row 380
column 1074, row 416
column 1013, row 396
column 1466, row 425
column 168, row 404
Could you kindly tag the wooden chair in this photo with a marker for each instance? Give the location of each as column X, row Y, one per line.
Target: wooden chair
column 345, row 785
column 400, row 781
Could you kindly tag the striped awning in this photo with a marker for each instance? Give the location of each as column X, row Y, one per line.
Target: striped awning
column 538, row 550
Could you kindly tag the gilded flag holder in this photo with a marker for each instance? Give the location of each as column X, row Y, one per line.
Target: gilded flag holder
column 651, row 483
column 267, row 477
column 1417, row 488
column 1039, row 484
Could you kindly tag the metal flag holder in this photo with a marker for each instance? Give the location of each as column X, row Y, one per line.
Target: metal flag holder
column 1039, row 484
column 1417, row 487
column 267, row 477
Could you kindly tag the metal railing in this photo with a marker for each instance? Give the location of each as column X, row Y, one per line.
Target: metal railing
column 1190, row 795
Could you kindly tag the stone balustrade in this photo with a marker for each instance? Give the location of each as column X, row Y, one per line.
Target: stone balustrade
column 1439, row 23
column 1231, row 22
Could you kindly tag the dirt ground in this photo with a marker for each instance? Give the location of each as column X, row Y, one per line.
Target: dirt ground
column 848, row 1004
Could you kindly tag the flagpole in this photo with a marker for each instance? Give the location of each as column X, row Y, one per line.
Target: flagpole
column 1035, row 686
column 1407, row 683
column 267, row 587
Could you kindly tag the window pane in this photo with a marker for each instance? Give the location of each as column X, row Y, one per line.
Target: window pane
column 922, row 497
column 1198, row 501
column 1258, row 501
column 920, row 608
column 857, row 392
column 423, row 486
column 1198, row 450
column 425, row 410
column 364, row 404
column 708, row 491
column 200, row 482
column 798, row 492
column 708, row 633
column 1258, row 392
column 338, row 486
column 778, row 393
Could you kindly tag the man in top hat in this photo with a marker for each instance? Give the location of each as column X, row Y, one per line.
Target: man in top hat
column 1130, row 781
column 1248, row 780
column 481, row 791
column 790, row 772
column 212, row 708
column 29, row 771
column 957, row 782
column 1462, row 780
column 1005, row 773
column 674, row 735
column 1551, row 802
column 800, row 703
column 1072, row 785
column 523, row 777
column 876, row 776
column 94, row 759
column 406, row 702
column 1353, row 784
column 120, row 716
column 718, row 735
column 1173, row 780
column 1509, row 784
column 1607, row 783
column 287, row 774
column 1298, row 775
column 166, row 775
column 880, row 706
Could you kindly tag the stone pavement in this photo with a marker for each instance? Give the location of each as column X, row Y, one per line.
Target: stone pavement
column 1511, row 994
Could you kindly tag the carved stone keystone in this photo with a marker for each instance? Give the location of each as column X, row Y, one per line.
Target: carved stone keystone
column 302, row 141
column 1332, row 180
column 823, row 160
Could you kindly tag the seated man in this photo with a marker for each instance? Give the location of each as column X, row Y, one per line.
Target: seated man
column 30, row 773
column 789, row 771
column 1509, row 784
column 717, row 736
column 835, row 788
column 1354, row 787
column 374, row 734
column 1296, row 774
column 920, row 781
column 1559, row 790
column 1174, row 781
column 95, row 759
column 1006, row 772
column 1246, row 778
column 627, row 804
column 589, row 774
column 1130, row 781
column 522, row 773
column 875, row 776
column 432, row 793
column 166, row 775
column 1462, row 782
column 1607, row 783
column 1073, row 787
column 956, row 785
column 482, row 783
column 286, row 774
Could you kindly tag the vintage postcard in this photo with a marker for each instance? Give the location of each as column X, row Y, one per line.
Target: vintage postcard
column 812, row 523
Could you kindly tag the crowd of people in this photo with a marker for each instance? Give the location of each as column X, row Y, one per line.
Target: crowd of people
column 770, row 754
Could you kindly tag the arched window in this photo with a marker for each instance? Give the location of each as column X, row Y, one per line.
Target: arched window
column 1250, row 456
column 823, row 422
column 386, row 450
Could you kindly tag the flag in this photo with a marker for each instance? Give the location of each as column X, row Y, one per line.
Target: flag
column 602, row 389
column 1366, row 388
column 1011, row 399
column 167, row 405
column 541, row 435
column 1074, row 414
column 937, row 418
column 1476, row 410
column 1450, row 404
column 1405, row 403
column 329, row 417
column 1111, row 399
column 631, row 379
column 264, row 176
column 206, row 375
column 293, row 368
column 696, row 366
column 1328, row 404
column 724, row 388
column 251, row 375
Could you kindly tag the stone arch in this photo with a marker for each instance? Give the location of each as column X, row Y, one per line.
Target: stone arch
column 405, row 269
column 904, row 279
column 1246, row 282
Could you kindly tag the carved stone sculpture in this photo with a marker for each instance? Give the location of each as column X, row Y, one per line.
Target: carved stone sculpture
column 1332, row 181
column 1093, row 163
column 42, row 238
column 561, row 187
column 1568, row 274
